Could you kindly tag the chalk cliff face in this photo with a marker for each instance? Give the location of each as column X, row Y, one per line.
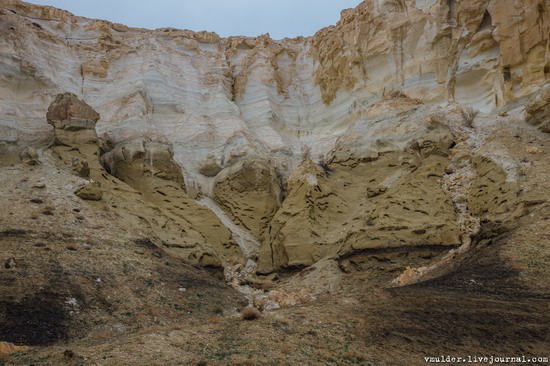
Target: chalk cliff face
column 351, row 140
column 476, row 52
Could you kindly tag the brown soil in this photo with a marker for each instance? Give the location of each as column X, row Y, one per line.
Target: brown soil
column 480, row 308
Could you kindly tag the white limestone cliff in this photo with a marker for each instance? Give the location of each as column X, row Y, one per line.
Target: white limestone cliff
column 225, row 98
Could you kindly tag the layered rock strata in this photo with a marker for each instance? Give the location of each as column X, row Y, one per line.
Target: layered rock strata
column 379, row 101
column 73, row 121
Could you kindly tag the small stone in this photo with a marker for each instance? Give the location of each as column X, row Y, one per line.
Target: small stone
column 260, row 302
column 250, row 266
column 91, row 191
column 375, row 191
column 80, row 167
column 7, row 348
column 29, row 156
column 71, row 301
column 10, row 263
column 210, row 167
column 182, row 289
column 271, row 305
column 39, row 185
column 450, row 170
column 533, row 150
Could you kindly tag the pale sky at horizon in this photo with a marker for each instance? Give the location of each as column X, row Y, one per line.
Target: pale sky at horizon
column 280, row 18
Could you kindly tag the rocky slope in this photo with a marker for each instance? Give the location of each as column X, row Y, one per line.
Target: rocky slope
column 386, row 150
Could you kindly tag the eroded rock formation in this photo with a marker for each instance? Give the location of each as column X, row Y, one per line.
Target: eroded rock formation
column 405, row 145
column 73, row 121
column 385, row 102
column 251, row 194
column 477, row 52
column 537, row 109
column 147, row 167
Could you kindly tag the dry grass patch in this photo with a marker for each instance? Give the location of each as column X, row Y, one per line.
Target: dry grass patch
column 469, row 115
column 250, row 313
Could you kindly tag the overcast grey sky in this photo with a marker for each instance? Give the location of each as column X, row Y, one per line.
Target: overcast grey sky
column 279, row 18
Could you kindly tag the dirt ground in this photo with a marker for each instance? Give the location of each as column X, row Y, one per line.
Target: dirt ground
column 481, row 308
